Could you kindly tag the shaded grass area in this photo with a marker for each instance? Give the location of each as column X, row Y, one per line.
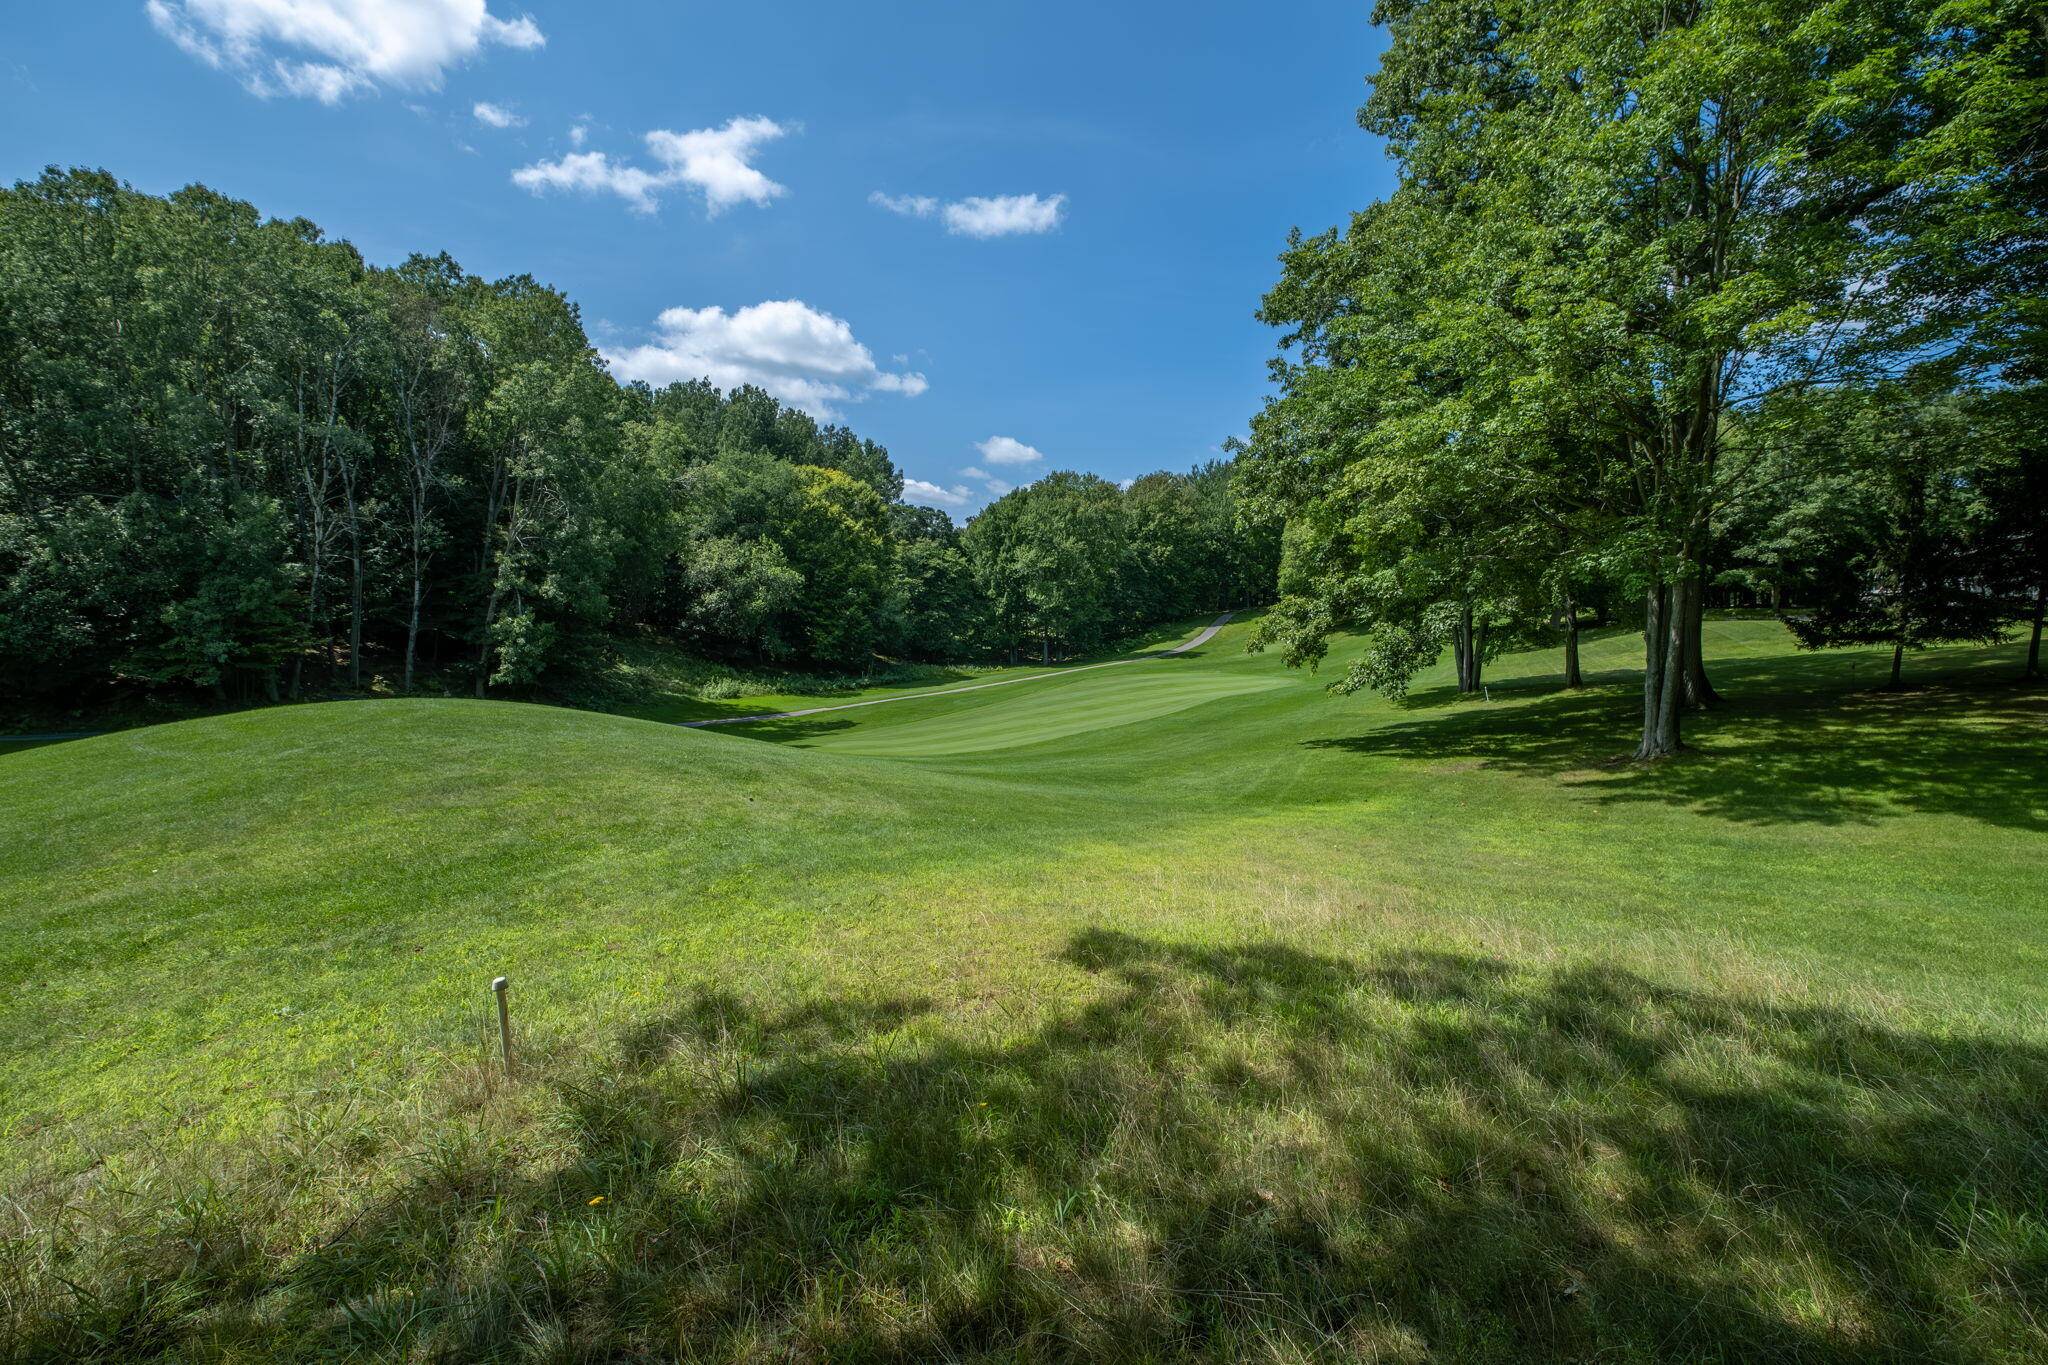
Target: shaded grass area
column 1238, row 1151
column 1791, row 745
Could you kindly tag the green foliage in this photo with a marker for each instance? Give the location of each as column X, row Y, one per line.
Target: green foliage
column 235, row 460
column 839, row 535
column 1623, row 231
column 1074, row 561
column 738, row 592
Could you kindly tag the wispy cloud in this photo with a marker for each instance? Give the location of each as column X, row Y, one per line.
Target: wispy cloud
column 909, row 205
column 497, row 115
column 996, row 487
column 1006, row 215
column 1003, row 215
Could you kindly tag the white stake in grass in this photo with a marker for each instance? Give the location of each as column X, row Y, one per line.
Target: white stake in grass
column 498, row 985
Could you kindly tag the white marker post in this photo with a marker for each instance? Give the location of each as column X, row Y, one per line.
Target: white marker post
column 498, row 986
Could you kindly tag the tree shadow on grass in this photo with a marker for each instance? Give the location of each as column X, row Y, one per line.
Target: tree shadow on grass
column 1234, row 1152
column 1795, row 743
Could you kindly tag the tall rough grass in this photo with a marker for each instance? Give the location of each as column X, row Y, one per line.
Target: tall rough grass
column 1241, row 1151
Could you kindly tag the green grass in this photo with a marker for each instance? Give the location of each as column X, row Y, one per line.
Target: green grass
column 652, row 681
column 1172, row 1008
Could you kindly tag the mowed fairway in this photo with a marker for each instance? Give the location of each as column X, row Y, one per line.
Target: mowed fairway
column 1169, row 1008
column 1055, row 710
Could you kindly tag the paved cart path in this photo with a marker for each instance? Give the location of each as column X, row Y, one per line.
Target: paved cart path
column 1207, row 634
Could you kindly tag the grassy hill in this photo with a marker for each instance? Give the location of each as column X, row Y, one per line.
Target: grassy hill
column 1172, row 1007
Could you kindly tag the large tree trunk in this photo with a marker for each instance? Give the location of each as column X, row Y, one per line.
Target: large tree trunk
column 1465, row 644
column 1898, row 661
column 1699, row 693
column 1663, row 662
column 1571, row 645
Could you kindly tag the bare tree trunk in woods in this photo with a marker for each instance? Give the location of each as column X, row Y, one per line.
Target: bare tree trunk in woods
column 492, row 503
column 1044, row 650
column 1699, row 693
column 1663, row 662
column 412, row 621
column 2034, row 647
column 314, row 503
column 1571, row 645
column 355, row 576
column 312, row 620
column 483, row 648
column 1898, row 662
column 427, row 409
column 421, row 473
column 355, row 610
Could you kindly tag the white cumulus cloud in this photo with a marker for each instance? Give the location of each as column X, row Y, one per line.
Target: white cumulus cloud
column 932, row 495
column 497, row 115
column 805, row 357
column 1002, row 215
column 1008, row 450
column 717, row 162
column 330, row 49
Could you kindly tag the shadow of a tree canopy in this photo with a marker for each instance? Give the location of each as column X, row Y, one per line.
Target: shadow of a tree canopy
column 1240, row 1152
column 1793, row 744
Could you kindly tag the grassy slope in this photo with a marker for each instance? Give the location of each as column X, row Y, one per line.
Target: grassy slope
column 1197, row 893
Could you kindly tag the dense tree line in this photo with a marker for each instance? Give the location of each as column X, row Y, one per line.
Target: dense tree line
column 238, row 460
column 1736, row 296
column 1075, row 562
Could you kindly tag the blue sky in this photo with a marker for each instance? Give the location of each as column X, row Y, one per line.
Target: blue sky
column 1084, row 200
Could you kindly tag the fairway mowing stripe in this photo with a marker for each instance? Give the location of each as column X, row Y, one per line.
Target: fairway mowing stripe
column 1207, row 635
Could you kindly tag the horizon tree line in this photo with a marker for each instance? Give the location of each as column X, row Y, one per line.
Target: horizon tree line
column 238, row 461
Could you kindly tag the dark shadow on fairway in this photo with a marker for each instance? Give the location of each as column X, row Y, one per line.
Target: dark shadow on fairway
column 21, row 744
column 1796, row 741
column 789, row 731
column 1234, row 1152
